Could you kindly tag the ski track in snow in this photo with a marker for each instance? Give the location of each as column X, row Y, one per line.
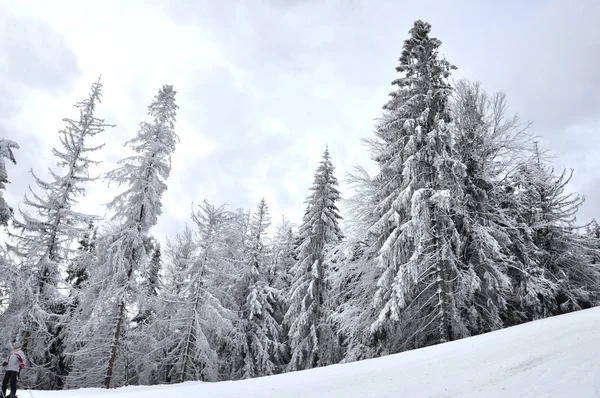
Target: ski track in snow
column 555, row 357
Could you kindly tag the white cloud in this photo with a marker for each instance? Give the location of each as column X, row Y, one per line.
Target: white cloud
column 263, row 88
column 273, row 126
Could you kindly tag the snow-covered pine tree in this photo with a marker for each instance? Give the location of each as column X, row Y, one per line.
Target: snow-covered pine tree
column 353, row 275
column 260, row 348
column 43, row 243
column 11, row 277
column 150, row 285
column 283, row 255
column 179, row 256
column 593, row 232
column 180, row 253
column 311, row 337
column 121, row 251
column 200, row 323
column 78, row 268
column 488, row 143
column 145, row 326
column 280, row 274
column 416, row 240
column 6, row 152
column 557, row 272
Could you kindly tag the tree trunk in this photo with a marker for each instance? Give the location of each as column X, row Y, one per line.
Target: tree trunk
column 444, row 325
column 442, row 283
column 191, row 337
column 115, row 344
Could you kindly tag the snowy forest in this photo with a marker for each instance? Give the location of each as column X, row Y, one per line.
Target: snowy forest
column 466, row 228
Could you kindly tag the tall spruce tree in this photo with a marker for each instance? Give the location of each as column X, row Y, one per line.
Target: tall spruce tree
column 415, row 237
column 280, row 276
column 312, row 339
column 489, row 143
column 556, row 272
column 139, row 206
column 260, row 350
column 280, row 273
column 353, row 275
column 200, row 323
column 43, row 242
column 122, row 249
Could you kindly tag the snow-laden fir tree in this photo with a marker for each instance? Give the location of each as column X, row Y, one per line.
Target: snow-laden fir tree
column 415, row 237
column 179, row 255
column 121, row 250
column 280, row 275
column 556, row 272
column 198, row 321
column 352, row 273
column 6, row 152
column 593, row 232
column 260, row 349
column 44, row 237
column 144, row 326
column 283, row 256
column 489, row 144
column 11, row 277
column 78, row 268
column 147, row 300
column 311, row 338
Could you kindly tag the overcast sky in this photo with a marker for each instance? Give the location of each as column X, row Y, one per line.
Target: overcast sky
column 263, row 86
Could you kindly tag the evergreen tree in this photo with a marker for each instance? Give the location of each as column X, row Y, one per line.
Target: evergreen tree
column 200, row 323
column 488, row 143
column 261, row 349
column 280, row 275
column 353, row 275
column 78, row 268
column 180, row 254
column 312, row 339
column 121, row 251
column 415, row 238
column 147, row 300
column 593, row 232
column 556, row 272
column 145, row 326
column 44, row 244
column 6, row 152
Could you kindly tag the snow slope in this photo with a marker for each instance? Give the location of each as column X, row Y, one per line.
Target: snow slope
column 555, row 357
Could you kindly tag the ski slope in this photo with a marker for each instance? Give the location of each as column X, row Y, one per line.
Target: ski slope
column 555, row 357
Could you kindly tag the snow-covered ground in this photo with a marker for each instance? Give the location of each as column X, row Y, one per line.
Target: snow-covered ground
column 556, row 357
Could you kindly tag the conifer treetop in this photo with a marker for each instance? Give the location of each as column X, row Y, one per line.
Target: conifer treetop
column 146, row 171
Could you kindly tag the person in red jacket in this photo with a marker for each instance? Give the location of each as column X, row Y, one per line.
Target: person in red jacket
column 13, row 366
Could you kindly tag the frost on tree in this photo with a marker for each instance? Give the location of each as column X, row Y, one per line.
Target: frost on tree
column 353, row 276
column 145, row 325
column 488, row 143
column 415, row 237
column 44, row 240
column 312, row 339
column 6, row 152
column 556, row 271
column 283, row 247
column 198, row 321
column 260, row 348
column 121, row 250
column 280, row 274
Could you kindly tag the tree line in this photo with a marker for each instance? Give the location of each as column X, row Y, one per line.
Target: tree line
column 464, row 229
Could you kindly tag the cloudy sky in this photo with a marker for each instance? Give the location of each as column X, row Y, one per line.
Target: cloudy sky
column 264, row 85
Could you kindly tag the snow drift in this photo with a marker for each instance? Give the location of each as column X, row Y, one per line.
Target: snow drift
column 554, row 357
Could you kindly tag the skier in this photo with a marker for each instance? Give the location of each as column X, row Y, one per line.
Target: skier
column 13, row 366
